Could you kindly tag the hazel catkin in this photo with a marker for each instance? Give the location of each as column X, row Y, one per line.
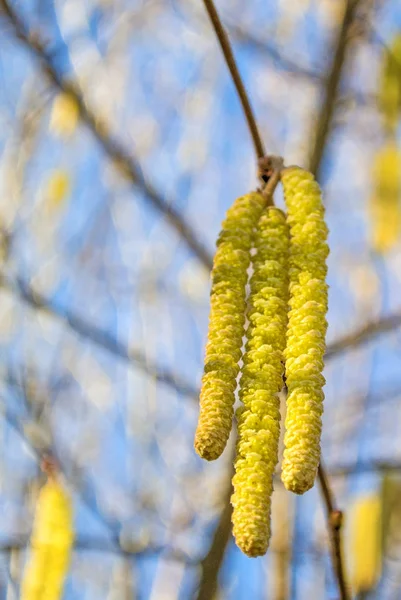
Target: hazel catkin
column 262, row 373
column 51, row 543
column 385, row 201
column 306, row 329
column 226, row 325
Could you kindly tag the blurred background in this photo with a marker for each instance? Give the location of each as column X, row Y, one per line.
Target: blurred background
column 104, row 295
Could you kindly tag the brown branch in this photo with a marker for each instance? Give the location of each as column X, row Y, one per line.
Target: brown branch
column 107, row 547
column 265, row 48
column 326, row 113
column 100, row 338
column 113, row 149
column 213, row 560
column 363, row 335
column 334, row 520
column 236, row 77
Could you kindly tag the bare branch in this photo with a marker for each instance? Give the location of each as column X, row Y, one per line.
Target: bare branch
column 213, row 560
column 334, row 521
column 263, row 47
column 325, row 117
column 103, row 339
column 104, row 546
column 236, row 77
column 363, row 335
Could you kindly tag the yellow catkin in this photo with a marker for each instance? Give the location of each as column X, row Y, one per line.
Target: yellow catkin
column 262, row 379
column 365, row 542
column 57, row 189
column 385, row 203
column 51, row 543
column 306, row 329
column 389, row 89
column 226, row 325
column 64, row 115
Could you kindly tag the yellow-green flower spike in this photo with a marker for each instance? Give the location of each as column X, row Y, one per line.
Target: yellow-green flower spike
column 389, row 88
column 385, row 209
column 51, row 544
column 262, row 379
column 307, row 327
column 226, row 325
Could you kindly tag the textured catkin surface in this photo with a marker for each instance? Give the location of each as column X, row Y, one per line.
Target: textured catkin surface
column 306, row 329
column 262, row 372
column 226, row 325
column 51, row 542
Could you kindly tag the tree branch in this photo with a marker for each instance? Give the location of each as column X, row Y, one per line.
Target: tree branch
column 236, row 77
column 263, row 47
column 104, row 546
column 326, row 113
column 213, row 560
column 102, row 339
column 363, row 335
column 334, row 521
column 113, row 149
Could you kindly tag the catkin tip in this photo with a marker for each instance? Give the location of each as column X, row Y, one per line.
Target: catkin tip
column 208, row 449
column 252, row 547
column 298, row 483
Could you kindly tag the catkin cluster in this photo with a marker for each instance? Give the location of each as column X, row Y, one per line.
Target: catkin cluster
column 51, row 542
column 286, row 314
column 226, row 325
column 262, row 379
column 306, row 329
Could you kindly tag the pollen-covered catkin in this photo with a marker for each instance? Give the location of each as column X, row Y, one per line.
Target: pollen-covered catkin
column 262, row 379
column 51, row 542
column 307, row 327
column 226, row 325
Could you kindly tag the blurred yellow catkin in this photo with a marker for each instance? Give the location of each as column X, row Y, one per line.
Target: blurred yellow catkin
column 385, row 206
column 389, row 91
column 64, row 116
column 57, row 189
column 365, row 542
column 226, row 325
column 51, row 543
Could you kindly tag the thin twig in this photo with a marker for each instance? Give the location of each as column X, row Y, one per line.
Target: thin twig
column 236, row 77
column 213, row 560
column 326, row 113
column 105, row 546
column 113, row 149
column 265, row 48
column 100, row 338
column 363, row 335
column 334, row 520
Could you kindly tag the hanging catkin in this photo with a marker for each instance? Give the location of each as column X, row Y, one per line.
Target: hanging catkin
column 262, row 373
column 306, row 329
column 389, row 89
column 64, row 116
column 51, row 543
column 226, row 325
column 365, row 539
column 385, row 202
